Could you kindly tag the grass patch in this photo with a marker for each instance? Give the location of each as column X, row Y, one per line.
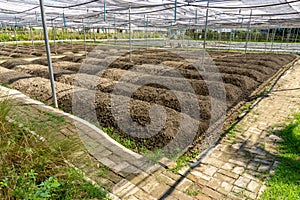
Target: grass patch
column 126, row 142
column 285, row 183
column 35, row 169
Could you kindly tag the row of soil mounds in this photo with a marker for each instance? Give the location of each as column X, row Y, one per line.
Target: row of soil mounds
column 39, row 50
column 99, row 74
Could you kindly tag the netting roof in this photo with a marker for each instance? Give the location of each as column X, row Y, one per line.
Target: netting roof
column 153, row 13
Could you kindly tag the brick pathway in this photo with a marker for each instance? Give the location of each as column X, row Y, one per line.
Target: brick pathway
column 233, row 169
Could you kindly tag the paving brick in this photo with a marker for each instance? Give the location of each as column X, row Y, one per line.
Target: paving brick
column 121, row 166
column 171, row 197
column 253, row 186
column 223, row 177
column 225, row 188
column 162, row 178
column 159, row 190
column 253, row 165
column 238, row 170
column 107, row 162
column 184, row 184
column 263, row 168
column 215, row 162
column 257, row 150
column 250, row 195
column 214, row 183
column 237, row 190
column 228, row 166
column 254, row 130
column 210, row 170
column 180, row 195
column 200, row 175
column 242, row 182
column 228, row 173
column 203, row 197
column 211, row 193
column 237, row 162
column 141, row 195
column 122, row 185
column 216, row 154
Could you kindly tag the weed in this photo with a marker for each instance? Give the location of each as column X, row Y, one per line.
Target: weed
column 193, row 192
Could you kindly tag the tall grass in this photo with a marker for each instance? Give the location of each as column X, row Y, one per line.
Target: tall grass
column 33, row 169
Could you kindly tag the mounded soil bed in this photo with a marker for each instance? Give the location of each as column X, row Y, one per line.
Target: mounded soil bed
column 155, row 76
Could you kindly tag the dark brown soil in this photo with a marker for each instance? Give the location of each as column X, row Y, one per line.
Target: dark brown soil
column 102, row 73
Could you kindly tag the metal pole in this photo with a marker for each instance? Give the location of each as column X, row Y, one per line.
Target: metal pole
column 48, row 53
column 220, row 37
column 2, row 31
column 54, row 35
column 189, row 35
column 5, row 27
column 31, row 36
column 130, row 36
column 247, row 37
column 267, row 39
column 147, row 32
column 296, row 35
column 16, row 39
column 84, row 38
column 273, row 37
column 282, row 37
column 71, row 31
column 15, row 31
column 205, row 27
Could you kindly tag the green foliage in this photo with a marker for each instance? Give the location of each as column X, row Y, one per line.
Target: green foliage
column 34, row 169
column 126, row 142
column 285, row 183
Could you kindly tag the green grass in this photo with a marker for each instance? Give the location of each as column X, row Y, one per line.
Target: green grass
column 285, row 183
column 35, row 169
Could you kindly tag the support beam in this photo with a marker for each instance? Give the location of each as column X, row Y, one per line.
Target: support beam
column 130, row 35
column 48, row 53
column 205, row 26
column 248, row 31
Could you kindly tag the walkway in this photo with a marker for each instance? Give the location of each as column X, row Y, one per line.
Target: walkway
column 234, row 169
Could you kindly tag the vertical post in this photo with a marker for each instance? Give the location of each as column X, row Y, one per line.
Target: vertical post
column 71, row 31
column 273, row 37
column 248, row 30
column 288, row 36
column 231, row 37
column 84, row 38
column 115, row 33
column 48, row 53
column 175, row 10
column 267, row 39
column 15, row 32
column 31, row 36
column 296, row 35
column 2, row 32
column 282, row 37
column 220, row 37
column 196, row 17
column 205, row 26
column 104, row 11
column 189, row 35
column 130, row 36
column 54, row 35
column 5, row 27
column 36, row 18
column 147, row 32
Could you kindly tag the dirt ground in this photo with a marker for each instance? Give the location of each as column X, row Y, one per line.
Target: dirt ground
column 240, row 74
